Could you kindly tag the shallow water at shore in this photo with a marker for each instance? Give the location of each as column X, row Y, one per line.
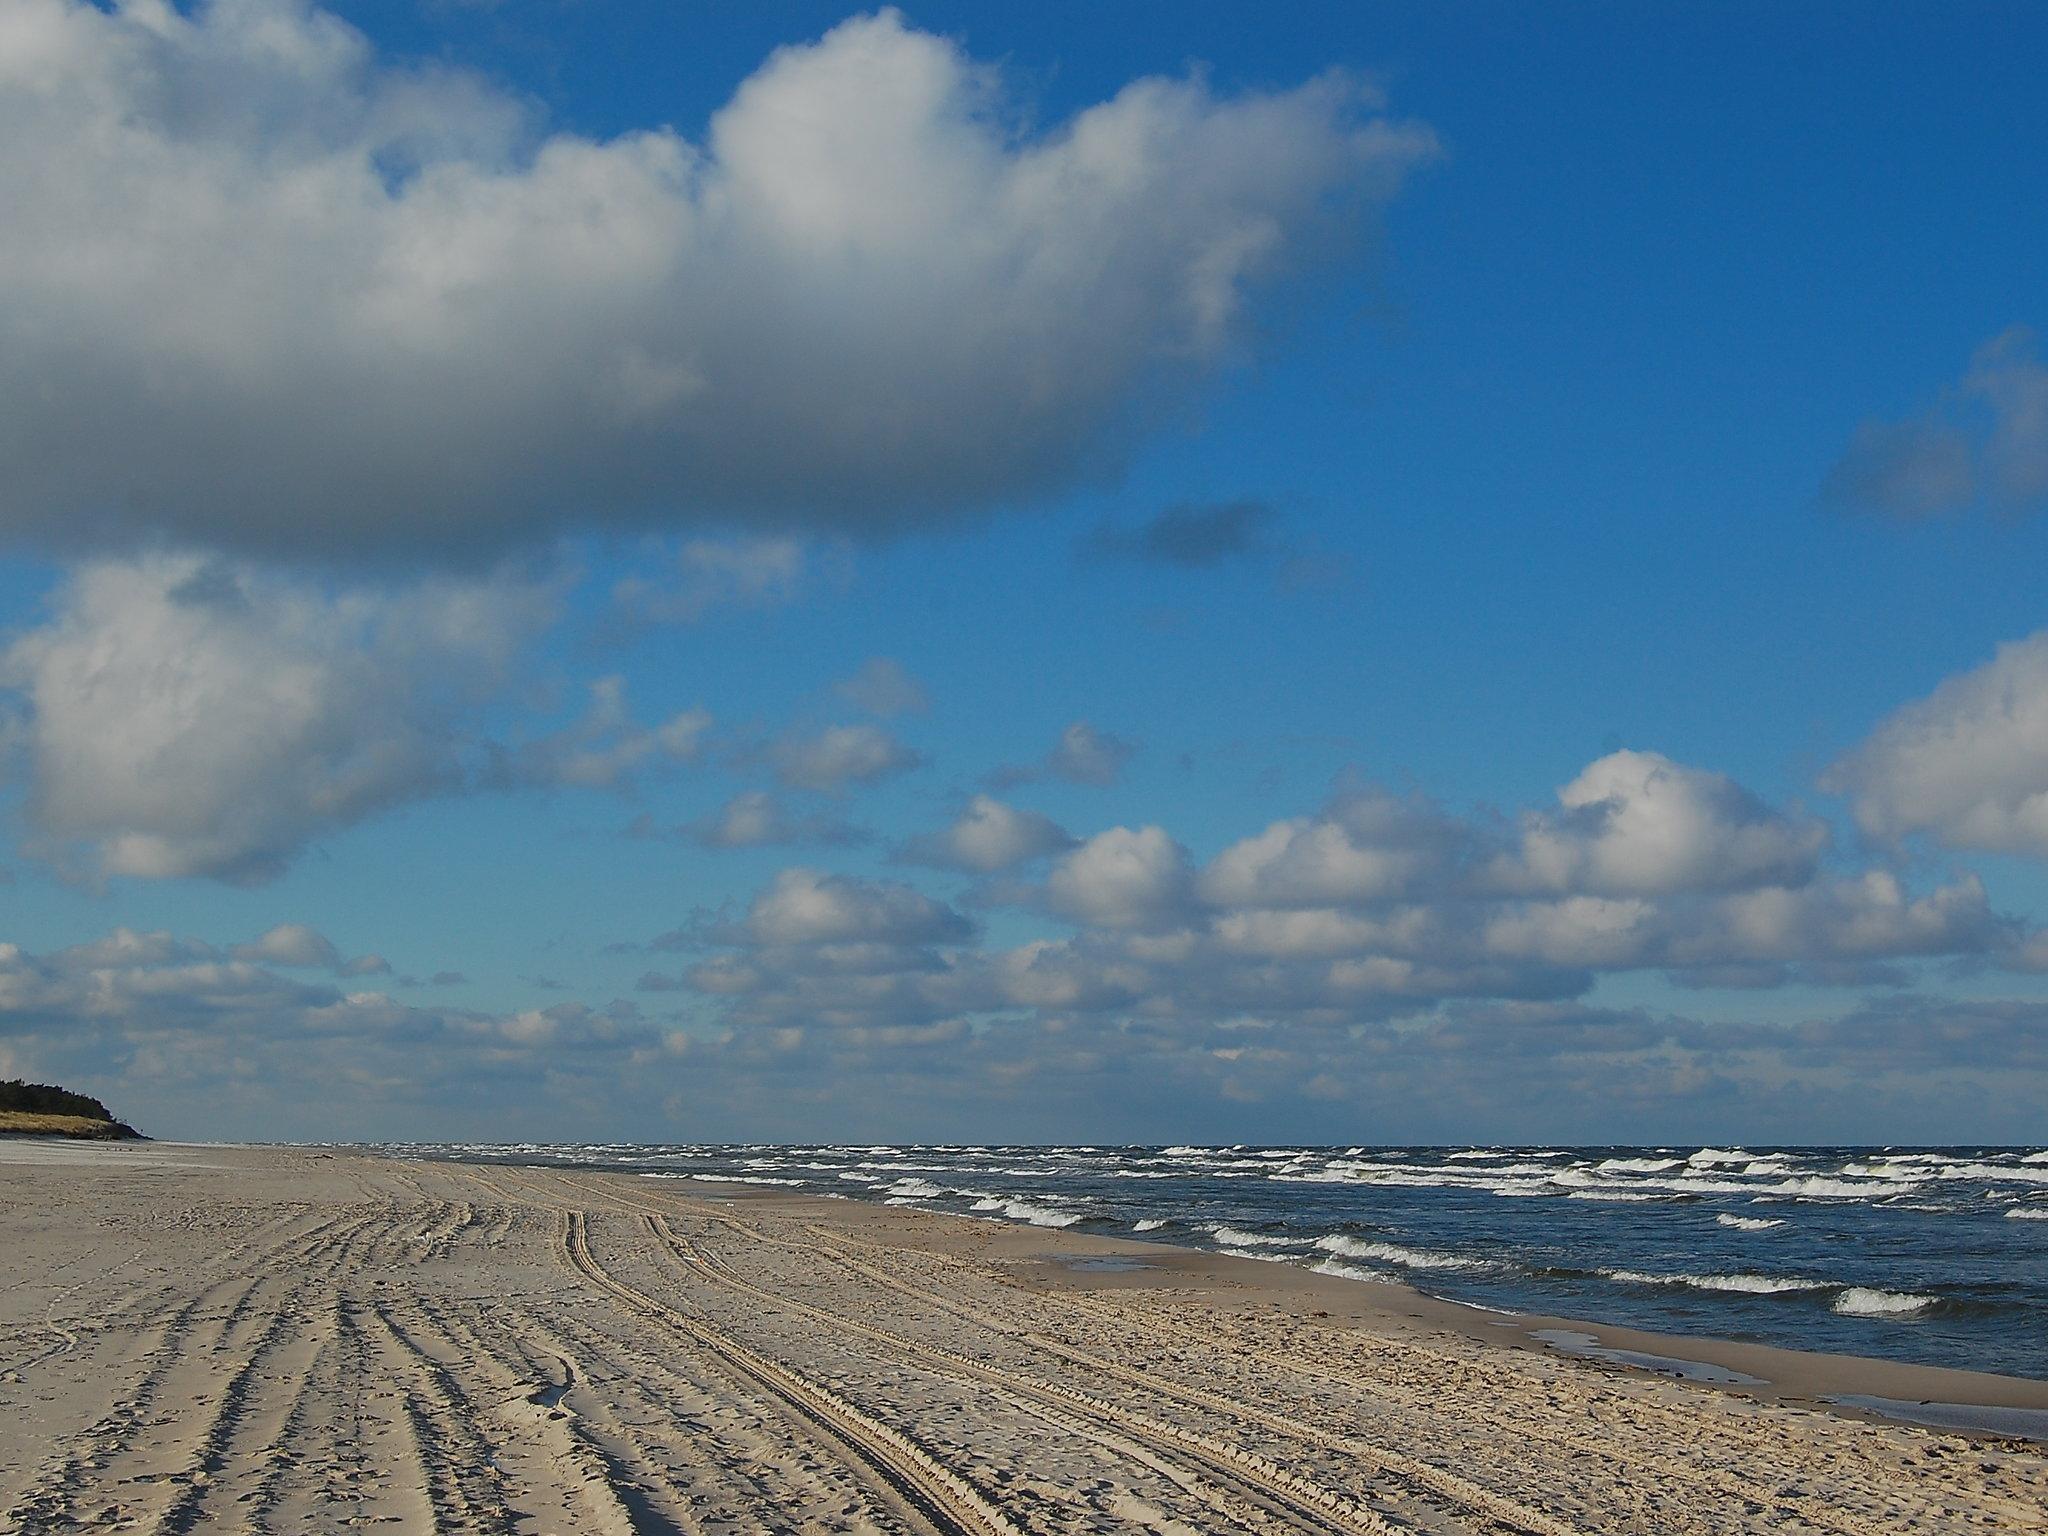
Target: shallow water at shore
column 1932, row 1255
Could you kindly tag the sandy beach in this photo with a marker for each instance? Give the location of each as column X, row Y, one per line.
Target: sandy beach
column 245, row 1339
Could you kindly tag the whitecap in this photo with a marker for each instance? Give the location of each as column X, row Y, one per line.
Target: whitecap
column 1394, row 1253
column 1750, row 1223
column 1348, row 1271
column 2027, row 1213
column 1621, row 1196
column 1861, row 1301
column 1150, row 1224
column 1238, row 1239
column 1707, row 1156
column 1026, row 1211
column 1753, row 1285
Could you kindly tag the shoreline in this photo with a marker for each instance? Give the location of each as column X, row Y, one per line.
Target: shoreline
column 1808, row 1378
column 290, row 1339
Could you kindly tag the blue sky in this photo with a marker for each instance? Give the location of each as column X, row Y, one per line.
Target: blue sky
column 461, row 452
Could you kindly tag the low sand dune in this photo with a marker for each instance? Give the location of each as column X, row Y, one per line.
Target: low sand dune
column 267, row 1340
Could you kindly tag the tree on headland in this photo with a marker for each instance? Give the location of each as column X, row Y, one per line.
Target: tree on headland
column 45, row 1109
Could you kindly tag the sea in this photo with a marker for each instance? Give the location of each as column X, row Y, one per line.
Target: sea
column 1937, row 1255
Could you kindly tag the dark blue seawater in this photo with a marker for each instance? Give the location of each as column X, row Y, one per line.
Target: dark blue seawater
column 1936, row 1255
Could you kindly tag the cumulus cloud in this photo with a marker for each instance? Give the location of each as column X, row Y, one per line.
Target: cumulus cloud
column 883, row 687
column 1987, row 440
column 840, row 755
column 184, row 717
column 292, row 944
column 988, row 836
column 1367, row 845
column 806, row 906
column 1122, row 878
column 1636, row 822
column 756, row 819
column 1374, row 909
column 1082, row 755
column 1967, row 765
column 329, row 303
column 1188, row 535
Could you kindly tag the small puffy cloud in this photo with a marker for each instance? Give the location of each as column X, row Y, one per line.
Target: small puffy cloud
column 606, row 747
column 756, row 819
column 708, row 574
column 1085, row 755
column 2013, row 384
column 184, row 717
column 873, row 294
column 1122, row 878
column 839, row 756
column 884, row 688
column 1987, row 441
column 1082, row 755
column 1904, row 469
column 807, row 907
column 292, row 944
column 1188, row 535
column 988, row 836
column 1967, row 765
column 1636, row 822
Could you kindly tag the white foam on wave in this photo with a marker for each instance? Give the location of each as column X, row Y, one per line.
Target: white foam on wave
column 1862, row 1301
column 1149, row 1224
column 914, row 1189
column 1394, row 1253
column 1639, row 1164
column 1621, row 1196
column 1750, row 1223
column 1995, row 1173
column 1239, row 1239
column 2027, row 1213
column 1752, row 1285
column 1708, row 1157
column 1348, row 1271
column 1026, row 1211
column 2035, row 1157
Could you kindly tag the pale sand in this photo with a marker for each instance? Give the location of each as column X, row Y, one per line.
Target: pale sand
column 224, row 1339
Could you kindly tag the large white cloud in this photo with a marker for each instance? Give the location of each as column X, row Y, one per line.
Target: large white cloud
column 1968, row 764
column 259, row 288
column 1364, row 847
column 1636, row 822
column 1123, row 878
column 199, row 718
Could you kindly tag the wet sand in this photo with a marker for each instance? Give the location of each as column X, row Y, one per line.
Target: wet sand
column 245, row 1339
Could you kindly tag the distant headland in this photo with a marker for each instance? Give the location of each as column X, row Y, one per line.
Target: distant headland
column 40, row 1109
